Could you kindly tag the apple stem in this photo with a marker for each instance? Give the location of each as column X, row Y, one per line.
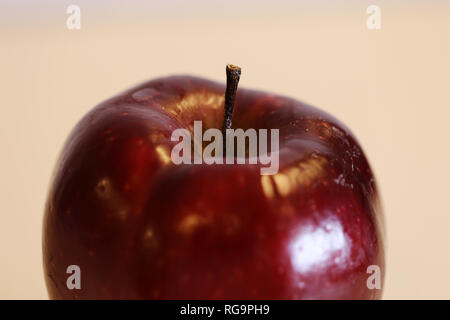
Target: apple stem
column 233, row 76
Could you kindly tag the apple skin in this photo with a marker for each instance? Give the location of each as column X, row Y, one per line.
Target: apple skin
column 140, row 227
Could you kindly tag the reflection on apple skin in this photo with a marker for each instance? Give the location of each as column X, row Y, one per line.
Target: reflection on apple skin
column 317, row 247
column 140, row 227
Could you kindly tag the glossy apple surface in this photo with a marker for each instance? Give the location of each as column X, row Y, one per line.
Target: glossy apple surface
column 141, row 227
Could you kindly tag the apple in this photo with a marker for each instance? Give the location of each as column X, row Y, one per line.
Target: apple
column 140, row 227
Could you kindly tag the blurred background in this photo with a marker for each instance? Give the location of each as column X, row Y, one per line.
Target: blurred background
column 389, row 85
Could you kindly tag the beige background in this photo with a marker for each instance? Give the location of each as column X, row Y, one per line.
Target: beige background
column 391, row 87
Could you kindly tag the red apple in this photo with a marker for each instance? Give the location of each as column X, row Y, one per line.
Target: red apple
column 139, row 226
